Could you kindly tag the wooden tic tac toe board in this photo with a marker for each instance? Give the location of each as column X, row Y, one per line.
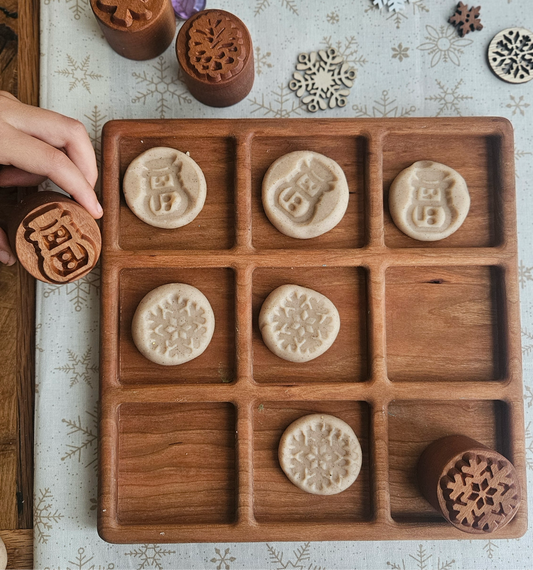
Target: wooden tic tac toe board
column 429, row 342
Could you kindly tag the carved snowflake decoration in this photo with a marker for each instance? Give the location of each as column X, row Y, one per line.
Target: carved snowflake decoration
column 466, row 19
column 177, row 326
column 481, row 492
column 511, row 55
column 326, row 78
column 302, row 323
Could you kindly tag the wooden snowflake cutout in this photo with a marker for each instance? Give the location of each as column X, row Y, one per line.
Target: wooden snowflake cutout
column 466, row 19
column 325, row 77
column 510, row 55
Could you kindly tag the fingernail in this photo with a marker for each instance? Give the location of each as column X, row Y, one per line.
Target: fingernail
column 6, row 258
column 99, row 209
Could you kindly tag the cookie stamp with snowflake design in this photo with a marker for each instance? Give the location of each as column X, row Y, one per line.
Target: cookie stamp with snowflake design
column 326, row 78
column 320, row 454
column 475, row 488
column 173, row 324
column 298, row 324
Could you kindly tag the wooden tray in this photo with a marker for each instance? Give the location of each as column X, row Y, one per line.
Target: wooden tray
column 429, row 342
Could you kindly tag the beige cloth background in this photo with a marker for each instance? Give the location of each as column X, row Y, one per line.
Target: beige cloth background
column 409, row 63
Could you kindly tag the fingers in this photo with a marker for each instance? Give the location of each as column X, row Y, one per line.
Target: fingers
column 8, row 95
column 58, row 131
column 11, row 176
column 6, row 255
column 35, row 156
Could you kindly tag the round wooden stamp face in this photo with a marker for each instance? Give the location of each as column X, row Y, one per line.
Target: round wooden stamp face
column 479, row 491
column 173, row 324
column 429, row 201
column 54, row 238
column 305, row 194
column 298, row 324
column 215, row 53
column 165, row 188
column 320, row 454
column 510, row 55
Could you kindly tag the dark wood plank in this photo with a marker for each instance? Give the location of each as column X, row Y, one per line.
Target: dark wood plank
column 19, row 74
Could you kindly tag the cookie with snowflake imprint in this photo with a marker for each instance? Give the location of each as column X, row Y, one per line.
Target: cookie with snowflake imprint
column 305, row 194
column 429, row 201
column 165, row 188
column 298, row 324
column 320, row 454
column 173, row 324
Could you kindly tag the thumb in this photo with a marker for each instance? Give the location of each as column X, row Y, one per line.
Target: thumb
column 6, row 255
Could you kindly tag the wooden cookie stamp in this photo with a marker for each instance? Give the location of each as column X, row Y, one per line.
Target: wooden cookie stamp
column 215, row 53
column 474, row 487
column 136, row 29
column 54, row 238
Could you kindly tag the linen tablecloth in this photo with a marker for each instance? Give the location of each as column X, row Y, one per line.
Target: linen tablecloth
column 409, row 63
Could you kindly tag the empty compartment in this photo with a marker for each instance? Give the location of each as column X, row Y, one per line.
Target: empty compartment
column 445, row 323
column 276, row 499
column 217, row 364
column 176, row 463
column 213, row 228
column 348, row 152
column 476, row 158
column 414, row 425
column 346, row 359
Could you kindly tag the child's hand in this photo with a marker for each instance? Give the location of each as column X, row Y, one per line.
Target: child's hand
column 36, row 144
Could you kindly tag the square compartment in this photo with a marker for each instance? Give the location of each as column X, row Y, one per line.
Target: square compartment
column 214, row 366
column 414, row 425
column 476, row 159
column 176, row 463
column 346, row 359
column 276, row 499
column 213, row 228
column 445, row 323
column 349, row 153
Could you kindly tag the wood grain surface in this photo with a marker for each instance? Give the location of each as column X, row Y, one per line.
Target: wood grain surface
column 429, row 342
column 19, row 73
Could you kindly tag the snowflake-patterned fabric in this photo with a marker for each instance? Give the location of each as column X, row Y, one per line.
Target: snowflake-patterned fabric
column 408, row 61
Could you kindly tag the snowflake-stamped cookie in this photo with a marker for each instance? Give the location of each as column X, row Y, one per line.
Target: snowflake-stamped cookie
column 165, row 188
column 173, row 324
column 429, row 201
column 320, row 454
column 305, row 194
column 298, row 324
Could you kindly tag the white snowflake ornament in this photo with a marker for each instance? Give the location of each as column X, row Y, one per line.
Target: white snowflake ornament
column 326, row 77
column 392, row 5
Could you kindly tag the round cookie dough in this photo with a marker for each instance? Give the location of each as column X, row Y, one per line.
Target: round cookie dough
column 305, row 194
column 3, row 555
column 298, row 324
column 173, row 324
column 165, row 188
column 429, row 201
column 320, row 454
